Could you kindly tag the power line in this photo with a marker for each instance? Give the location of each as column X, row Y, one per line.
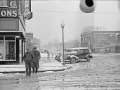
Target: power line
column 73, row 0
column 74, row 12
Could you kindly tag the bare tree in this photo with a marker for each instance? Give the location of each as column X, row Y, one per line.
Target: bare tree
column 93, row 38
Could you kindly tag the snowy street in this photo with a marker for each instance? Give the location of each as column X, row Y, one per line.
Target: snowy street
column 103, row 72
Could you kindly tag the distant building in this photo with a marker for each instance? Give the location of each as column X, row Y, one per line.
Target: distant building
column 36, row 43
column 104, row 41
column 29, row 41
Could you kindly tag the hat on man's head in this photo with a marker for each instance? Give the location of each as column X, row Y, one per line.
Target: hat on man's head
column 34, row 48
column 27, row 49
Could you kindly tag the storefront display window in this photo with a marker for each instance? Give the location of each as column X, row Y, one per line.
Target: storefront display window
column 7, row 48
column 1, row 50
column 10, row 50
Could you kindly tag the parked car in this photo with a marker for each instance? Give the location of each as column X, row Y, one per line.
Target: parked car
column 75, row 55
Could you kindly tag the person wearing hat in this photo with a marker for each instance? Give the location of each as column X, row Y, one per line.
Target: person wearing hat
column 28, row 57
column 35, row 62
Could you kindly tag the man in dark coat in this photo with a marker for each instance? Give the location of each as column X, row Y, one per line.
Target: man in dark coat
column 28, row 57
column 35, row 63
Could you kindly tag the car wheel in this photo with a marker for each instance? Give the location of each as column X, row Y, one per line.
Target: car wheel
column 72, row 60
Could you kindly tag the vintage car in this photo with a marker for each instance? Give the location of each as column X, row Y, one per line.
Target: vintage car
column 75, row 55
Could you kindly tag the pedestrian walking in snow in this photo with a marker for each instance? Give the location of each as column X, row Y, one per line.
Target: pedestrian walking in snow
column 35, row 62
column 48, row 53
column 28, row 57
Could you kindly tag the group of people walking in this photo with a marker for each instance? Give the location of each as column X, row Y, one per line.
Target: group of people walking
column 31, row 59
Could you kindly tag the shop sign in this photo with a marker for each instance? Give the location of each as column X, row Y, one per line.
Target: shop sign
column 28, row 16
column 27, row 6
column 9, row 3
column 8, row 13
column 13, row 4
column 27, row 10
column 3, row 3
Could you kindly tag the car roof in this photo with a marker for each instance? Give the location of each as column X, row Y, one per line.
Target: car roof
column 77, row 48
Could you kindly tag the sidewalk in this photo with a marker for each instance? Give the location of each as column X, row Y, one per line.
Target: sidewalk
column 44, row 66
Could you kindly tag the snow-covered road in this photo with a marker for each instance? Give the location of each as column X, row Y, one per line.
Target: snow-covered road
column 102, row 73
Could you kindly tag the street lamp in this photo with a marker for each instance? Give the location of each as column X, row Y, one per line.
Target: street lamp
column 116, row 38
column 62, row 26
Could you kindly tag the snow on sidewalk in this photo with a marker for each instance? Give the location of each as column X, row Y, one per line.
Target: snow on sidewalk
column 54, row 65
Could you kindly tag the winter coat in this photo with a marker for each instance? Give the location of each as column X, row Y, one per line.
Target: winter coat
column 36, row 55
column 28, row 56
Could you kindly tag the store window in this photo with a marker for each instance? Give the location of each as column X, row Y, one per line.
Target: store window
column 1, row 50
column 10, row 49
column 7, row 48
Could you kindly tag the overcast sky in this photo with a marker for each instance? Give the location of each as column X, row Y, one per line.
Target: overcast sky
column 47, row 16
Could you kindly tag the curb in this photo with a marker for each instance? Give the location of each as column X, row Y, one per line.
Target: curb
column 24, row 71
column 63, row 69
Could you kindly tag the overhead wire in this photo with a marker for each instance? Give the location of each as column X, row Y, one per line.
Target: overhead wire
column 74, row 0
column 74, row 12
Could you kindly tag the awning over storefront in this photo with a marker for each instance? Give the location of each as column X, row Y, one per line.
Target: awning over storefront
column 21, row 34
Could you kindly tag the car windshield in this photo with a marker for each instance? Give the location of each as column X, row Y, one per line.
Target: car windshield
column 78, row 50
column 67, row 50
column 81, row 51
column 86, row 51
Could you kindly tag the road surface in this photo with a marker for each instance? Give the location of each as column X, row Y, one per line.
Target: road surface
column 102, row 73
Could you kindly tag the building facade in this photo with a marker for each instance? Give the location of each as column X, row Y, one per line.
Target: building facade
column 101, row 41
column 12, row 30
column 29, row 41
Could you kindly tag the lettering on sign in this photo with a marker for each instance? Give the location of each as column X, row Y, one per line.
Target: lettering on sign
column 8, row 13
column 27, row 6
column 13, row 4
column 3, row 3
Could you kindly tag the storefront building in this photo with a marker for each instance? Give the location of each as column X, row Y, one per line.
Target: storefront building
column 12, row 31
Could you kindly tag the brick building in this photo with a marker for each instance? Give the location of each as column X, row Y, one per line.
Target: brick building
column 13, row 14
column 102, row 41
